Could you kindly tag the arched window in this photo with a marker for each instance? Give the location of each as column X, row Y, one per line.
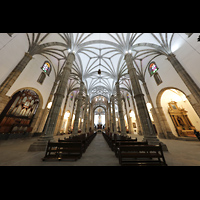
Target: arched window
column 128, row 99
column 153, row 68
column 41, row 78
column 46, row 67
column 157, row 78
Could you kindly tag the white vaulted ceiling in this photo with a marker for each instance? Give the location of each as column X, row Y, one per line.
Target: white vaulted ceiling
column 104, row 51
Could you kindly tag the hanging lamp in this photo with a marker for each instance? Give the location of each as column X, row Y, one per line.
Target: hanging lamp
column 99, row 71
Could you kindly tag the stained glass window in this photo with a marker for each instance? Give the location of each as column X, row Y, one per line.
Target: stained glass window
column 153, row 68
column 46, row 67
column 72, row 95
column 128, row 99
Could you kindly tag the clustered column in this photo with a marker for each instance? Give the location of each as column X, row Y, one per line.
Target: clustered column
column 110, row 118
column 9, row 81
column 40, row 145
column 88, row 116
column 58, row 96
column 78, row 109
column 85, row 123
column 121, row 115
column 148, row 130
column 113, row 109
column 189, row 82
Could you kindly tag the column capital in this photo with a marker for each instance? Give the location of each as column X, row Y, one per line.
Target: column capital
column 117, row 83
column 128, row 56
column 170, row 55
column 71, row 57
column 28, row 55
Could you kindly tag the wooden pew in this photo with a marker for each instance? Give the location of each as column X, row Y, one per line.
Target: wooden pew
column 127, row 143
column 121, row 139
column 63, row 150
column 141, row 155
column 51, row 151
column 85, row 139
column 112, row 138
column 72, row 150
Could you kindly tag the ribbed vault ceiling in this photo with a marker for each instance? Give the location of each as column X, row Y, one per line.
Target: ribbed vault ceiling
column 104, row 51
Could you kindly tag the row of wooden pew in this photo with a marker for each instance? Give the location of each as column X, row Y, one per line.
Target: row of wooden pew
column 68, row 149
column 130, row 152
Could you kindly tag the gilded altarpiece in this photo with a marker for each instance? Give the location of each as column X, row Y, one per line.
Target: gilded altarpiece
column 181, row 121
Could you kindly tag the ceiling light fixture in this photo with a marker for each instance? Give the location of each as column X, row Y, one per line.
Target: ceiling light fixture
column 99, row 71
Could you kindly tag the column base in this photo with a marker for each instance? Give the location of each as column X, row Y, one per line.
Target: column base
column 153, row 140
column 41, row 144
column 74, row 134
column 123, row 134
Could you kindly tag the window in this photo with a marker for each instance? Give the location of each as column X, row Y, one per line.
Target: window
column 153, row 68
column 157, row 78
column 46, row 67
column 71, row 97
column 128, row 99
column 41, row 78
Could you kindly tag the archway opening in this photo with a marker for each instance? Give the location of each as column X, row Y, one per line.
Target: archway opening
column 66, row 120
column 179, row 113
column 99, row 118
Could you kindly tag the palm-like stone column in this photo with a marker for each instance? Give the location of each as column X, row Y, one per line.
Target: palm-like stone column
column 40, row 145
column 148, row 130
column 121, row 116
column 78, row 109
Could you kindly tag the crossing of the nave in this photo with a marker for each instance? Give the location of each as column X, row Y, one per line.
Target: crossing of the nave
column 99, row 92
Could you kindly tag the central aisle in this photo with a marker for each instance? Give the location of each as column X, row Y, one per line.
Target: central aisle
column 98, row 154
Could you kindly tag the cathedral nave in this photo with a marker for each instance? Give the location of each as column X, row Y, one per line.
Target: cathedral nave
column 131, row 86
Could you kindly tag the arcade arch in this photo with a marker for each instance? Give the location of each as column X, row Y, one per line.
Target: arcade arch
column 99, row 117
column 177, row 115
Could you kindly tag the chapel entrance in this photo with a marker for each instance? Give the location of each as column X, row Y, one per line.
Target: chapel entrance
column 179, row 113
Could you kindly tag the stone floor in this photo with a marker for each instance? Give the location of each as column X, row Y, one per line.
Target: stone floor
column 15, row 153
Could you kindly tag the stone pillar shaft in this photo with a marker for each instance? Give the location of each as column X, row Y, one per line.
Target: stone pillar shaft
column 186, row 78
column 114, row 119
column 129, row 121
column 12, row 77
column 120, row 109
column 148, row 130
column 139, row 126
column 58, row 96
column 78, row 109
column 154, row 114
column 110, row 117
column 139, row 97
column 85, row 125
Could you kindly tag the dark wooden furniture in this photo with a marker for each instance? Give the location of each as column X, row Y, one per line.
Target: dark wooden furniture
column 66, row 150
column 69, row 148
column 141, row 155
